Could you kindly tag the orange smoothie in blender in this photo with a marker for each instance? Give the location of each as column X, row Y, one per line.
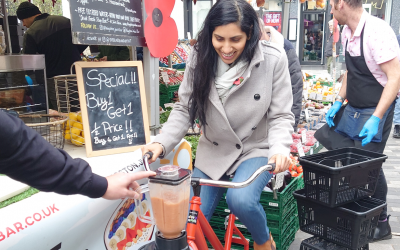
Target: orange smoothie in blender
column 170, row 216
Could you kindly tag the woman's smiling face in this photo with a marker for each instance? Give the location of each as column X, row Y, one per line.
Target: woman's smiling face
column 229, row 42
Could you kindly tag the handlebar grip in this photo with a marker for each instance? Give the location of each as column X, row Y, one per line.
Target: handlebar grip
column 273, row 166
column 149, row 154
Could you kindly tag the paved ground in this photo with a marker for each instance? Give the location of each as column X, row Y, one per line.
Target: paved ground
column 392, row 172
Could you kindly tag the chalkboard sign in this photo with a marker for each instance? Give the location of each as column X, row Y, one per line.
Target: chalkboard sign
column 107, row 22
column 113, row 106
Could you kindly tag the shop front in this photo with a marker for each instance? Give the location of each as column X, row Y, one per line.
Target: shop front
column 313, row 23
column 313, row 29
column 272, row 14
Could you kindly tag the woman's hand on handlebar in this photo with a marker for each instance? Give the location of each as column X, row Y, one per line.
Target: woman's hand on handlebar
column 282, row 162
column 156, row 148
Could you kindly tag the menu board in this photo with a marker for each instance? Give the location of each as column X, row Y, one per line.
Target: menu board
column 113, row 106
column 107, row 22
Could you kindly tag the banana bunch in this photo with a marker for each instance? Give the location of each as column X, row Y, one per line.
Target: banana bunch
column 74, row 129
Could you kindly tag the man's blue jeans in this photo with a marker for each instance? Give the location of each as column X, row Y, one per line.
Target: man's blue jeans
column 396, row 117
column 244, row 203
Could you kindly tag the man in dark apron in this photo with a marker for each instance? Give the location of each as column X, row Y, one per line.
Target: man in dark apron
column 370, row 85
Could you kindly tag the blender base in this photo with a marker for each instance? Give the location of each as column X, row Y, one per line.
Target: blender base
column 179, row 243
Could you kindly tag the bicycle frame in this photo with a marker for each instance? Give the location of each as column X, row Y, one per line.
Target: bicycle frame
column 198, row 229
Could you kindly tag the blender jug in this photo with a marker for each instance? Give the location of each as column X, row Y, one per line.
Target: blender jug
column 169, row 194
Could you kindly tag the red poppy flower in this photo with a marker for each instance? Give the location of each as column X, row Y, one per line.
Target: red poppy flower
column 238, row 81
column 160, row 29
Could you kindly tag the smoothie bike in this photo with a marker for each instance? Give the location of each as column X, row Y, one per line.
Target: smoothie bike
column 170, row 193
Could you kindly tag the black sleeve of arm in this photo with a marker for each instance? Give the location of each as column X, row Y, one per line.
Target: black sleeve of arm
column 29, row 45
column 296, row 78
column 27, row 157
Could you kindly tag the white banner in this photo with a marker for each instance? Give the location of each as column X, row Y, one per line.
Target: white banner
column 48, row 221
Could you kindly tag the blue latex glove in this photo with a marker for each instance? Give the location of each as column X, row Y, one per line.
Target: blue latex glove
column 369, row 130
column 332, row 112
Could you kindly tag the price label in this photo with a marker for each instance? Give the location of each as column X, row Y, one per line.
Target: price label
column 272, row 204
column 311, row 151
column 303, row 136
column 305, row 94
column 165, row 77
column 319, row 97
column 329, row 98
column 300, row 149
column 317, row 144
column 307, row 115
column 313, row 96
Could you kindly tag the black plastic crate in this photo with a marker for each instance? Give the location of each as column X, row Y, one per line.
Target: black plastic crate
column 351, row 225
column 340, row 176
column 316, row 243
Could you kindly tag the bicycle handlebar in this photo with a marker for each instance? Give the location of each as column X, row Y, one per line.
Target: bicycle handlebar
column 225, row 184
column 146, row 156
column 229, row 184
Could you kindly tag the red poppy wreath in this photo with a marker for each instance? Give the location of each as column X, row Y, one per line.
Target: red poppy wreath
column 160, row 29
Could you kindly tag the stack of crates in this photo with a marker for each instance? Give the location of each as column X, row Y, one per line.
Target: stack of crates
column 335, row 206
column 164, row 98
column 281, row 215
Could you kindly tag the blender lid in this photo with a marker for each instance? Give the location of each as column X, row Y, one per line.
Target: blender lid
column 170, row 175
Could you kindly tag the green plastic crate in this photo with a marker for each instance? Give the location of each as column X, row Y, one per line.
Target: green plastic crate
column 221, row 234
column 280, row 226
column 282, row 240
column 300, row 184
column 163, row 100
column 273, row 208
column 172, row 89
column 277, row 213
column 283, row 197
column 272, row 212
column 163, row 89
column 288, row 240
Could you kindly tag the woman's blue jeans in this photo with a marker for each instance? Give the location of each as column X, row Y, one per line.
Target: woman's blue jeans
column 244, row 203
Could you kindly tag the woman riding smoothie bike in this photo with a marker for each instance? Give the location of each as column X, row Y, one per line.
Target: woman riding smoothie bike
column 239, row 89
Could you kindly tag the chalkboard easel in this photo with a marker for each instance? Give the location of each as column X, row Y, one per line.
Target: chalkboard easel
column 113, row 105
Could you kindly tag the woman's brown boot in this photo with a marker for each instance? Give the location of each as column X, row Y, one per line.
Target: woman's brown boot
column 269, row 245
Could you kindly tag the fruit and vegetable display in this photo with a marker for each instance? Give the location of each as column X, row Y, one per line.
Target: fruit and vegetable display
column 181, row 52
column 319, row 88
column 74, row 129
column 164, row 60
column 175, row 77
column 314, row 105
column 176, row 59
column 295, row 168
column 164, row 116
column 179, row 55
column 307, row 144
column 186, row 47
